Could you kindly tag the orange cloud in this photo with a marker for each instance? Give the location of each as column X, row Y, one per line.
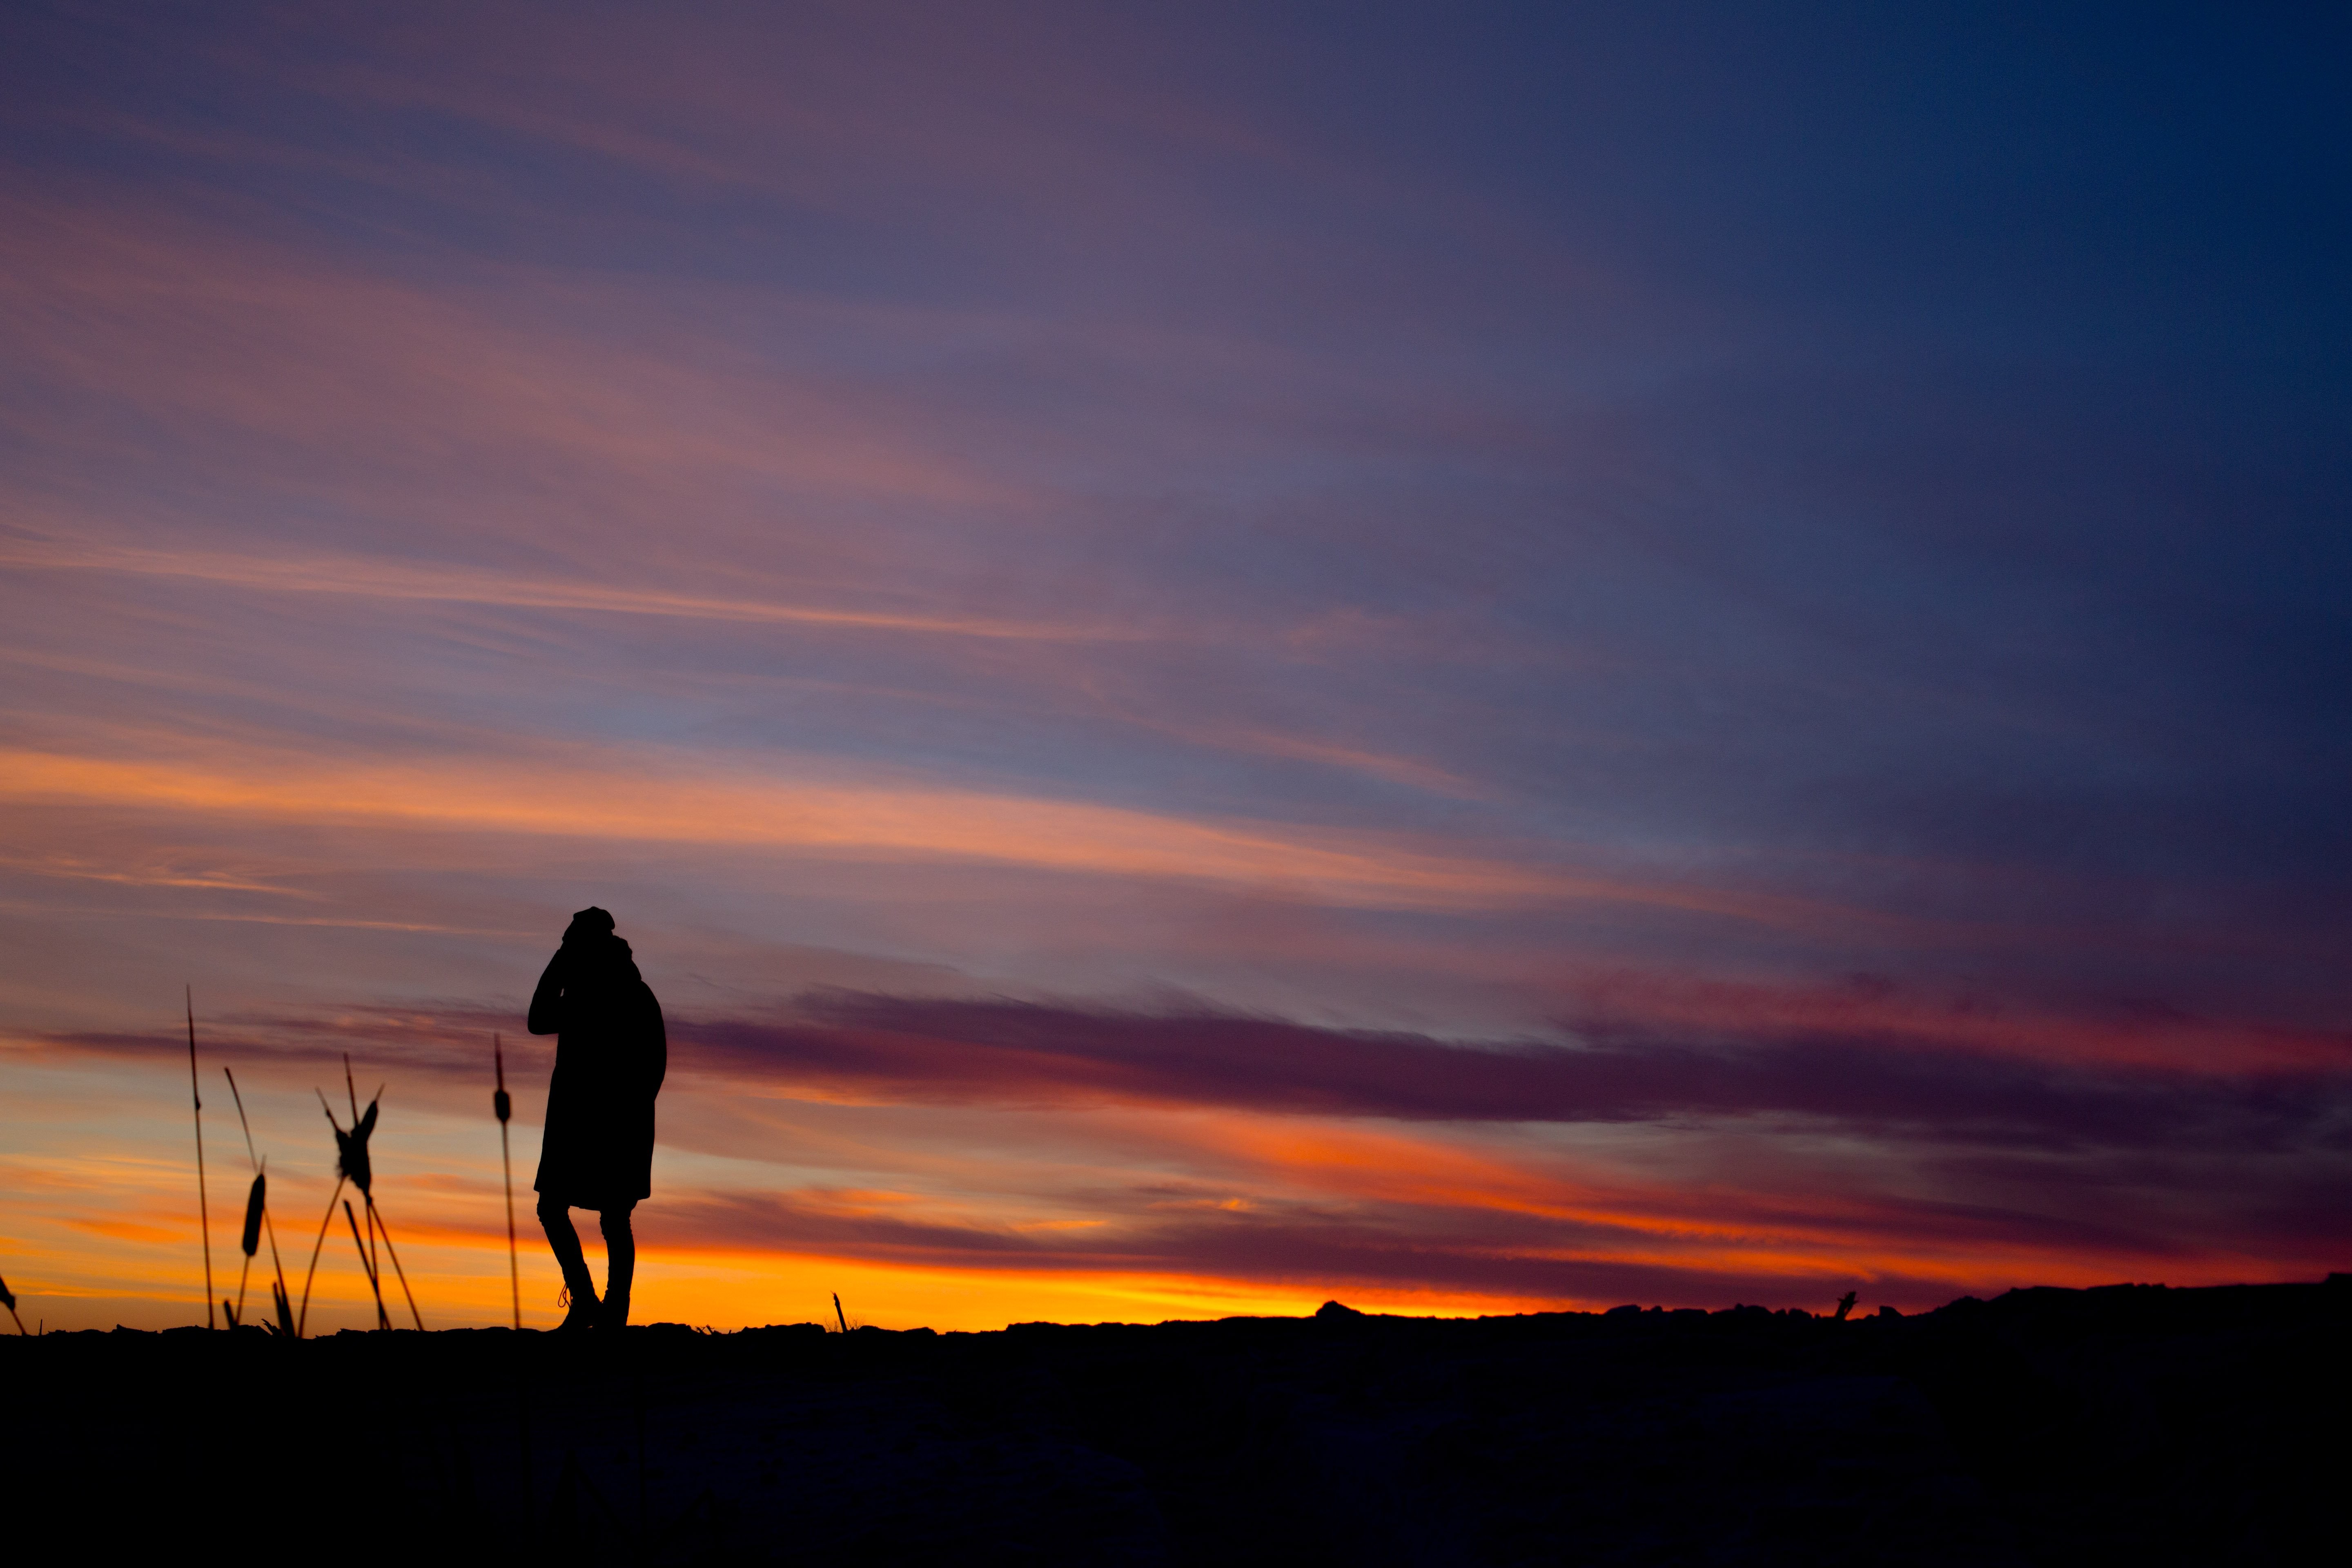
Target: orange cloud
column 584, row 795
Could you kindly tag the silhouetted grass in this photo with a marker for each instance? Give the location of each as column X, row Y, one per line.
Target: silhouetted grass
column 504, row 1108
column 367, row 1266
column 204, row 1209
column 352, row 1165
column 258, row 1222
column 302, row 1318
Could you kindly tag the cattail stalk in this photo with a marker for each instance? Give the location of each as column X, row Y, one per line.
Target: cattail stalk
column 360, row 1175
column 268, row 1226
column 302, row 1319
column 255, row 1200
column 375, row 1219
column 505, row 1107
column 8, row 1296
column 351, row 1165
column 837, row 1312
column 367, row 1268
column 204, row 1209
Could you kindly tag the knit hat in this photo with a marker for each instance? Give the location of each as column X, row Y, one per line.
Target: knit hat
column 588, row 924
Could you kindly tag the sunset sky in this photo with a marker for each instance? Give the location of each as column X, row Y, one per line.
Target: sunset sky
column 1466, row 658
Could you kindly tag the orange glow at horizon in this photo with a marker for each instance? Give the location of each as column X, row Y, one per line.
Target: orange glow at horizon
column 101, row 1242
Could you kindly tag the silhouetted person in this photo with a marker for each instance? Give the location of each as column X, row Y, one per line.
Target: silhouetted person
column 610, row 1054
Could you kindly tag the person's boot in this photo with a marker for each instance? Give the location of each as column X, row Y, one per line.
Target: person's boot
column 620, row 1268
column 585, row 1312
column 614, row 1312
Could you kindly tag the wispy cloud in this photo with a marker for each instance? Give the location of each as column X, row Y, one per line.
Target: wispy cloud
column 583, row 797
column 378, row 579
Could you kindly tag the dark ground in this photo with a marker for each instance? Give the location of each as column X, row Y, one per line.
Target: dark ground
column 2131, row 1423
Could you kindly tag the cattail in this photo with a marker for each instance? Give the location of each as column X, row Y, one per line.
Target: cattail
column 254, row 1200
column 8, row 1298
column 499, row 1103
column 343, row 1173
column 351, row 1165
column 256, row 1209
column 352, row 1148
column 351, row 1159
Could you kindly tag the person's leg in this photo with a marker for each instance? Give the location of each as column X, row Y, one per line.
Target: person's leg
column 556, row 1219
column 620, row 1266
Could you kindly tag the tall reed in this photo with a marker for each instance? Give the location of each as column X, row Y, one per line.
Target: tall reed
column 204, row 1209
column 256, row 1217
column 250, row 1242
column 367, row 1266
column 384, row 1231
column 8, row 1296
column 352, row 1165
column 302, row 1318
column 505, row 1107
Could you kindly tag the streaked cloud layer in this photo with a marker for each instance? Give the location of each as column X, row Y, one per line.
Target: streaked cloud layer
column 1216, row 659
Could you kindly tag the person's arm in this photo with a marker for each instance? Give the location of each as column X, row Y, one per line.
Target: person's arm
column 547, row 1002
column 657, row 1062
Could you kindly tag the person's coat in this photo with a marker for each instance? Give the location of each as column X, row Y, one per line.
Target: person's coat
column 610, row 1055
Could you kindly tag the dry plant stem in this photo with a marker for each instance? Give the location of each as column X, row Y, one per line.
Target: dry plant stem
column 376, row 1219
column 269, row 1229
column 268, row 1226
column 204, row 1209
column 382, row 1320
column 514, row 1260
column 352, row 1089
column 255, row 1161
column 501, row 1104
column 325, row 1220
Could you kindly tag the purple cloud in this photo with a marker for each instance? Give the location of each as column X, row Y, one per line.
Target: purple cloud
column 1000, row 1052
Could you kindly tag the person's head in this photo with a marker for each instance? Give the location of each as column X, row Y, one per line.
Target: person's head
column 589, row 925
